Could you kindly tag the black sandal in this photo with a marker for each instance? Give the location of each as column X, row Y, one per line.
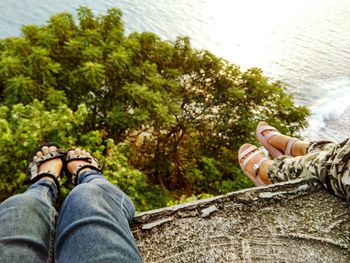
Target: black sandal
column 88, row 157
column 33, row 174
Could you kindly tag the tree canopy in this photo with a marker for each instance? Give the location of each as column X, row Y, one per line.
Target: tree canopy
column 166, row 120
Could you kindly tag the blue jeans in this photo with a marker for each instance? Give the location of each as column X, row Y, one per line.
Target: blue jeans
column 92, row 224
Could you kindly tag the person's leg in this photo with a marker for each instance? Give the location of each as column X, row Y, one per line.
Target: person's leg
column 27, row 221
column 264, row 171
column 329, row 162
column 93, row 223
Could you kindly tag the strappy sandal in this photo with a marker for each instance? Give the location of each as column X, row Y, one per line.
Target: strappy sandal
column 89, row 158
column 33, row 174
column 263, row 139
column 251, row 151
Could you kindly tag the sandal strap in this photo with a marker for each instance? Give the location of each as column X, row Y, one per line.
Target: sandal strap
column 263, row 128
column 251, row 156
column 59, row 153
column 270, row 135
column 80, row 167
column 247, row 151
column 290, row 144
column 75, row 157
column 257, row 166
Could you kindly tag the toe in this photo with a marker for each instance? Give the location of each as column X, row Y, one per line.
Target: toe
column 39, row 154
column 262, row 123
column 52, row 148
column 77, row 151
column 85, row 153
column 45, row 150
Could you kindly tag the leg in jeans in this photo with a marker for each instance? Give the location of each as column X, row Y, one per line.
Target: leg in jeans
column 329, row 162
column 27, row 224
column 27, row 221
column 93, row 223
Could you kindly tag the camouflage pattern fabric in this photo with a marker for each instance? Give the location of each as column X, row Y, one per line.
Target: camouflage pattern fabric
column 328, row 161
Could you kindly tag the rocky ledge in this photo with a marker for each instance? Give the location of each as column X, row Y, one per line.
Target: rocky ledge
column 296, row 221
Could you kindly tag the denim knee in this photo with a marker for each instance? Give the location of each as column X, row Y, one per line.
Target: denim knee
column 21, row 200
column 99, row 197
column 94, row 223
column 24, row 203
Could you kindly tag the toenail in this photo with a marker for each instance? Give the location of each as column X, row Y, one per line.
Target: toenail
column 45, row 149
column 52, row 148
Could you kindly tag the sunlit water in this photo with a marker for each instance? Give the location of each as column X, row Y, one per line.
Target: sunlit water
column 304, row 43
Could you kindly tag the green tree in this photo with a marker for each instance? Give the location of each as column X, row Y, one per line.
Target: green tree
column 166, row 119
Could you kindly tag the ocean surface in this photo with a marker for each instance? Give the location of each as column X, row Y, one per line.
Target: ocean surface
column 303, row 43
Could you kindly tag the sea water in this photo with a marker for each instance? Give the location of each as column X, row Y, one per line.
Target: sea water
column 303, row 43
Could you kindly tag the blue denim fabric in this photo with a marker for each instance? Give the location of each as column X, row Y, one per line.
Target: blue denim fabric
column 27, row 224
column 92, row 224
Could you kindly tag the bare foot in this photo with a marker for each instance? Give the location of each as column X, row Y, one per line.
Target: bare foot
column 249, row 168
column 53, row 166
column 280, row 141
column 74, row 164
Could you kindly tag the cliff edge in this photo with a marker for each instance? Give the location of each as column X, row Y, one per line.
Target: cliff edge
column 295, row 221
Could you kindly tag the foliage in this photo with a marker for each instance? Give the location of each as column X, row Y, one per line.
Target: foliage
column 24, row 127
column 166, row 119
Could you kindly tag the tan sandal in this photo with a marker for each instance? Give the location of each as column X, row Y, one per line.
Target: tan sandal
column 264, row 140
column 251, row 151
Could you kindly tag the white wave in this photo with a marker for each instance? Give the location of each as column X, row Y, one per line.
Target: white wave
column 335, row 102
column 329, row 102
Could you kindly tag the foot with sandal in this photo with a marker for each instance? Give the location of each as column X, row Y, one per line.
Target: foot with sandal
column 255, row 164
column 95, row 213
column 49, row 160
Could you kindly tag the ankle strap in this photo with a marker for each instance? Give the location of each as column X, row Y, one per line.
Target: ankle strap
column 257, row 166
column 290, row 144
column 48, row 174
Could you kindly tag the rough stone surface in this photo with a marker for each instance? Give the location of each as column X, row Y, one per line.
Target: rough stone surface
column 298, row 221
